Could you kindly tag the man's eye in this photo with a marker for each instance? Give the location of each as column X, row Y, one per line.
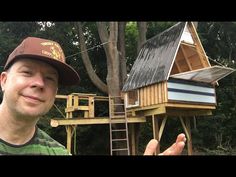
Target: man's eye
column 50, row 78
column 26, row 72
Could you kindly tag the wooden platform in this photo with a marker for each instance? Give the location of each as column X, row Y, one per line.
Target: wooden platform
column 172, row 109
column 55, row 122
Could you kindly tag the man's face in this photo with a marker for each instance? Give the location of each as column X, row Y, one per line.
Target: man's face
column 29, row 87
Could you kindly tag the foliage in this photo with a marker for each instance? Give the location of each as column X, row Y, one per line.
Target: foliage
column 155, row 28
column 219, row 42
column 11, row 34
column 93, row 140
column 131, row 35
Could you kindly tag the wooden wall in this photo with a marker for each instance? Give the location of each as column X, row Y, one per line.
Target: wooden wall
column 153, row 94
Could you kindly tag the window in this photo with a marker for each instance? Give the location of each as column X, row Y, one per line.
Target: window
column 186, row 37
column 132, row 98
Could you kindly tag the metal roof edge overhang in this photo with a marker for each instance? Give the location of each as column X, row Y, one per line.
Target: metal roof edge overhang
column 208, row 75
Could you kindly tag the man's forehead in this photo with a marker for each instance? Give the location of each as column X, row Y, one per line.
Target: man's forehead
column 28, row 62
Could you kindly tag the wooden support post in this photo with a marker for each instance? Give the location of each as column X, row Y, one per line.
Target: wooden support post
column 155, row 129
column 86, row 114
column 190, row 148
column 163, row 123
column 187, row 130
column 91, row 106
column 70, row 130
column 132, row 139
column 69, row 137
column 69, row 103
column 76, row 101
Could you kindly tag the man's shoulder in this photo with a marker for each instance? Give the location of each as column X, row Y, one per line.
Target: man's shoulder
column 44, row 139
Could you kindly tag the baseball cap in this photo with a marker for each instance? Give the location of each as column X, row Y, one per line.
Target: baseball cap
column 48, row 51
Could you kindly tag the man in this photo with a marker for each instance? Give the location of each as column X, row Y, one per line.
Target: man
column 29, row 83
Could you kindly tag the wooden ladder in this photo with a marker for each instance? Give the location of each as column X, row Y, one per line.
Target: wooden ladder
column 119, row 141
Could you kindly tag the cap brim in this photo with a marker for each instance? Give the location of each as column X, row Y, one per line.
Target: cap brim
column 67, row 75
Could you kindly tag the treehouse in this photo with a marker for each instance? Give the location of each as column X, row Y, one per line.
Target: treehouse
column 172, row 76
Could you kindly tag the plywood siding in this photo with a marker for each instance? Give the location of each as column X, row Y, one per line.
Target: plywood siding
column 153, row 94
column 191, row 92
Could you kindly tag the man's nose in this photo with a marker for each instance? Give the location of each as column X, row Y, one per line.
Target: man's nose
column 38, row 81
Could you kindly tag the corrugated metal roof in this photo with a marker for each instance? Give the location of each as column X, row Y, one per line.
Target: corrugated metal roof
column 155, row 58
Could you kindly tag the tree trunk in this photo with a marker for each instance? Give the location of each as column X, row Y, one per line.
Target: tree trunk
column 121, row 50
column 142, row 30
column 87, row 63
column 113, row 64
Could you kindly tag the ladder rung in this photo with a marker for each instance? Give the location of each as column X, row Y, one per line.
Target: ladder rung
column 118, row 112
column 117, row 104
column 118, row 130
column 120, row 122
column 116, row 117
column 125, row 139
column 117, row 121
column 125, row 149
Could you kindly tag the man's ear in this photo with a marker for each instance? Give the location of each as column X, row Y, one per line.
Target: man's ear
column 3, row 78
column 56, row 92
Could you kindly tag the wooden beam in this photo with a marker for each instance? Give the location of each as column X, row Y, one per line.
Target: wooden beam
column 199, row 48
column 83, row 94
column 187, row 130
column 163, row 123
column 69, row 104
column 186, row 58
column 132, row 139
column 101, row 98
column 193, row 106
column 155, row 130
column 189, row 141
column 155, row 111
column 136, row 109
column 179, row 112
column 184, row 127
column 88, row 121
column 173, row 109
column 178, row 58
column 188, row 44
column 72, row 108
column 61, row 96
column 91, row 106
column 75, row 101
column 69, row 137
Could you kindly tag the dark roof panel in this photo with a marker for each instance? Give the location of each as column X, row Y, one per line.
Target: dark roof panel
column 155, row 58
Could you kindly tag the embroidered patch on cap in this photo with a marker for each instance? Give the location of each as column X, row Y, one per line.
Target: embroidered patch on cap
column 53, row 51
